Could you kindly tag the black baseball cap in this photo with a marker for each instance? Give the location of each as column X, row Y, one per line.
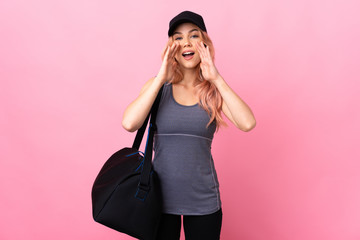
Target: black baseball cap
column 186, row 17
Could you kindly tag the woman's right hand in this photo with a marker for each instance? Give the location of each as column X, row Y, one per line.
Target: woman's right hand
column 168, row 65
column 136, row 112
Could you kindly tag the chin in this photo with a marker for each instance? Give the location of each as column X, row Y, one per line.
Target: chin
column 189, row 65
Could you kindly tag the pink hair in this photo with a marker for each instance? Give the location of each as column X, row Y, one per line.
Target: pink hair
column 209, row 96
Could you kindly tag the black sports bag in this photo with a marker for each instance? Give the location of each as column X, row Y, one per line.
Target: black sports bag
column 126, row 194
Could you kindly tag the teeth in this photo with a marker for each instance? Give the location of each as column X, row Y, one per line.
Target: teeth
column 187, row 53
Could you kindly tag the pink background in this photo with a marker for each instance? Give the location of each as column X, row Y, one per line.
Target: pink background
column 69, row 68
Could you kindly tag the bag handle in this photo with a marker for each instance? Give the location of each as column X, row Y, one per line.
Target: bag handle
column 144, row 183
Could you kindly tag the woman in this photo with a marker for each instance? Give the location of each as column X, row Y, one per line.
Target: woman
column 190, row 109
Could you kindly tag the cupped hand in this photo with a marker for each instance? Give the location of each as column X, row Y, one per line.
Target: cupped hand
column 168, row 65
column 208, row 69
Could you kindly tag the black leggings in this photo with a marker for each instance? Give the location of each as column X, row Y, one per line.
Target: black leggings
column 195, row 227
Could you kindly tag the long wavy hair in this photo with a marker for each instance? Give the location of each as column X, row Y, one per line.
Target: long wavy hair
column 209, row 97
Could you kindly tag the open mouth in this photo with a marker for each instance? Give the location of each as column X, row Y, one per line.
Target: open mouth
column 186, row 54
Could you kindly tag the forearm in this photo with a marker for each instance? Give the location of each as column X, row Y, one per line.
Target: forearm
column 241, row 114
column 135, row 114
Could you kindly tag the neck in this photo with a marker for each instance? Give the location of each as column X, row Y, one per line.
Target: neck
column 190, row 77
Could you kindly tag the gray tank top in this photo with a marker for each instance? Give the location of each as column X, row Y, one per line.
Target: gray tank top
column 183, row 158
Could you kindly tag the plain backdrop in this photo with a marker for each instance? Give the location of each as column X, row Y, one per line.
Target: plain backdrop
column 69, row 68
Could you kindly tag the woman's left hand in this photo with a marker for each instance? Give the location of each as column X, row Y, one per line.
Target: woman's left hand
column 208, row 69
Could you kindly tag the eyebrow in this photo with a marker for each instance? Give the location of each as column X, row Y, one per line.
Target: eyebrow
column 193, row 30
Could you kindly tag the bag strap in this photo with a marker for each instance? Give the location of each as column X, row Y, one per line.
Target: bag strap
column 141, row 130
column 140, row 133
column 144, row 183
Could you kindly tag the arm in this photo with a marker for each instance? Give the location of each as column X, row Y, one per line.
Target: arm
column 135, row 114
column 234, row 108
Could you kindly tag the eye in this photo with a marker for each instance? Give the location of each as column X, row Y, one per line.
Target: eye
column 178, row 38
column 194, row 36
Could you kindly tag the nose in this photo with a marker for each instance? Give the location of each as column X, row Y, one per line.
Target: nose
column 187, row 43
